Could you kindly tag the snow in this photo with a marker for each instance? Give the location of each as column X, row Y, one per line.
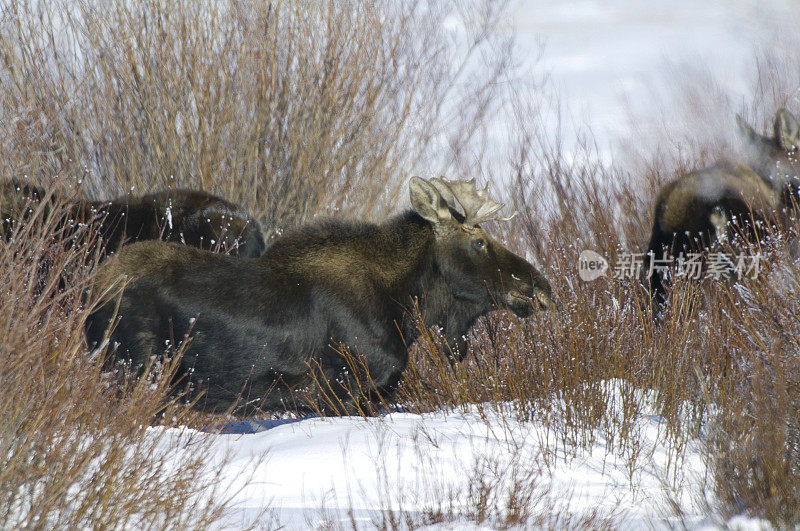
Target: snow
column 604, row 56
column 322, row 472
column 169, row 214
column 617, row 69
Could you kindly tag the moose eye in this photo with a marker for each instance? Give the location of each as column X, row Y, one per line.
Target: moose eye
column 479, row 244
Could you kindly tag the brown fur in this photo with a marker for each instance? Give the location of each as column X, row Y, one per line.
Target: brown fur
column 724, row 182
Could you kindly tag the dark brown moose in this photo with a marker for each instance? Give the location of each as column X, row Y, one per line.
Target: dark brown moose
column 257, row 325
column 706, row 207
column 187, row 216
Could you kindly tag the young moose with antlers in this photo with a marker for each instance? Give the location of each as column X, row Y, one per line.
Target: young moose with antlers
column 260, row 322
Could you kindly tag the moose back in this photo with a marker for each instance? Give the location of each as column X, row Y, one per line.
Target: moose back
column 188, row 216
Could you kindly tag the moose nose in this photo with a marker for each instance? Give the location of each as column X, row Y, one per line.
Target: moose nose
column 541, row 297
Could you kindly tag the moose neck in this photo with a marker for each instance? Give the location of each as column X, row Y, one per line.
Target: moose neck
column 422, row 281
column 762, row 160
column 408, row 242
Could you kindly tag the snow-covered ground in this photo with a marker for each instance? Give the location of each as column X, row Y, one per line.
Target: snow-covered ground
column 604, row 58
column 322, row 472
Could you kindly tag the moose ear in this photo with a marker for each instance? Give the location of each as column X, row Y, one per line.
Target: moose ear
column 427, row 201
column 748, row 133
column 787, row 130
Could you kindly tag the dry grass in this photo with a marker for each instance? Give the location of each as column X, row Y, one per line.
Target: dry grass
column 720, row 365
column 290, row 108
column 76, row 447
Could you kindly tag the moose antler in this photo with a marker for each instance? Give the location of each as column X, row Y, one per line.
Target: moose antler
column 477, row 205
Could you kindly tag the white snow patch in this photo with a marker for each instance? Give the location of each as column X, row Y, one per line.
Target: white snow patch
column 321, row 470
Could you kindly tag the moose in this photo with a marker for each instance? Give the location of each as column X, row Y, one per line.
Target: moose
column 258, row 325
column 188, row 216
column 706, row 207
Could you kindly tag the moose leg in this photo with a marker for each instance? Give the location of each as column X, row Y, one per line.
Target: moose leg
column 719, row 220
column 135, row 336
column 654, row 282
column 353, row 379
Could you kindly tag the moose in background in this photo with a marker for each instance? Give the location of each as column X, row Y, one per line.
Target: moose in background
column 705, row 207
column 257, row 325
column 188, row 216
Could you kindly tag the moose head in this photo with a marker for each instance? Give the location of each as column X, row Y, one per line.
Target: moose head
column 775, row 158
column 475, row 266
